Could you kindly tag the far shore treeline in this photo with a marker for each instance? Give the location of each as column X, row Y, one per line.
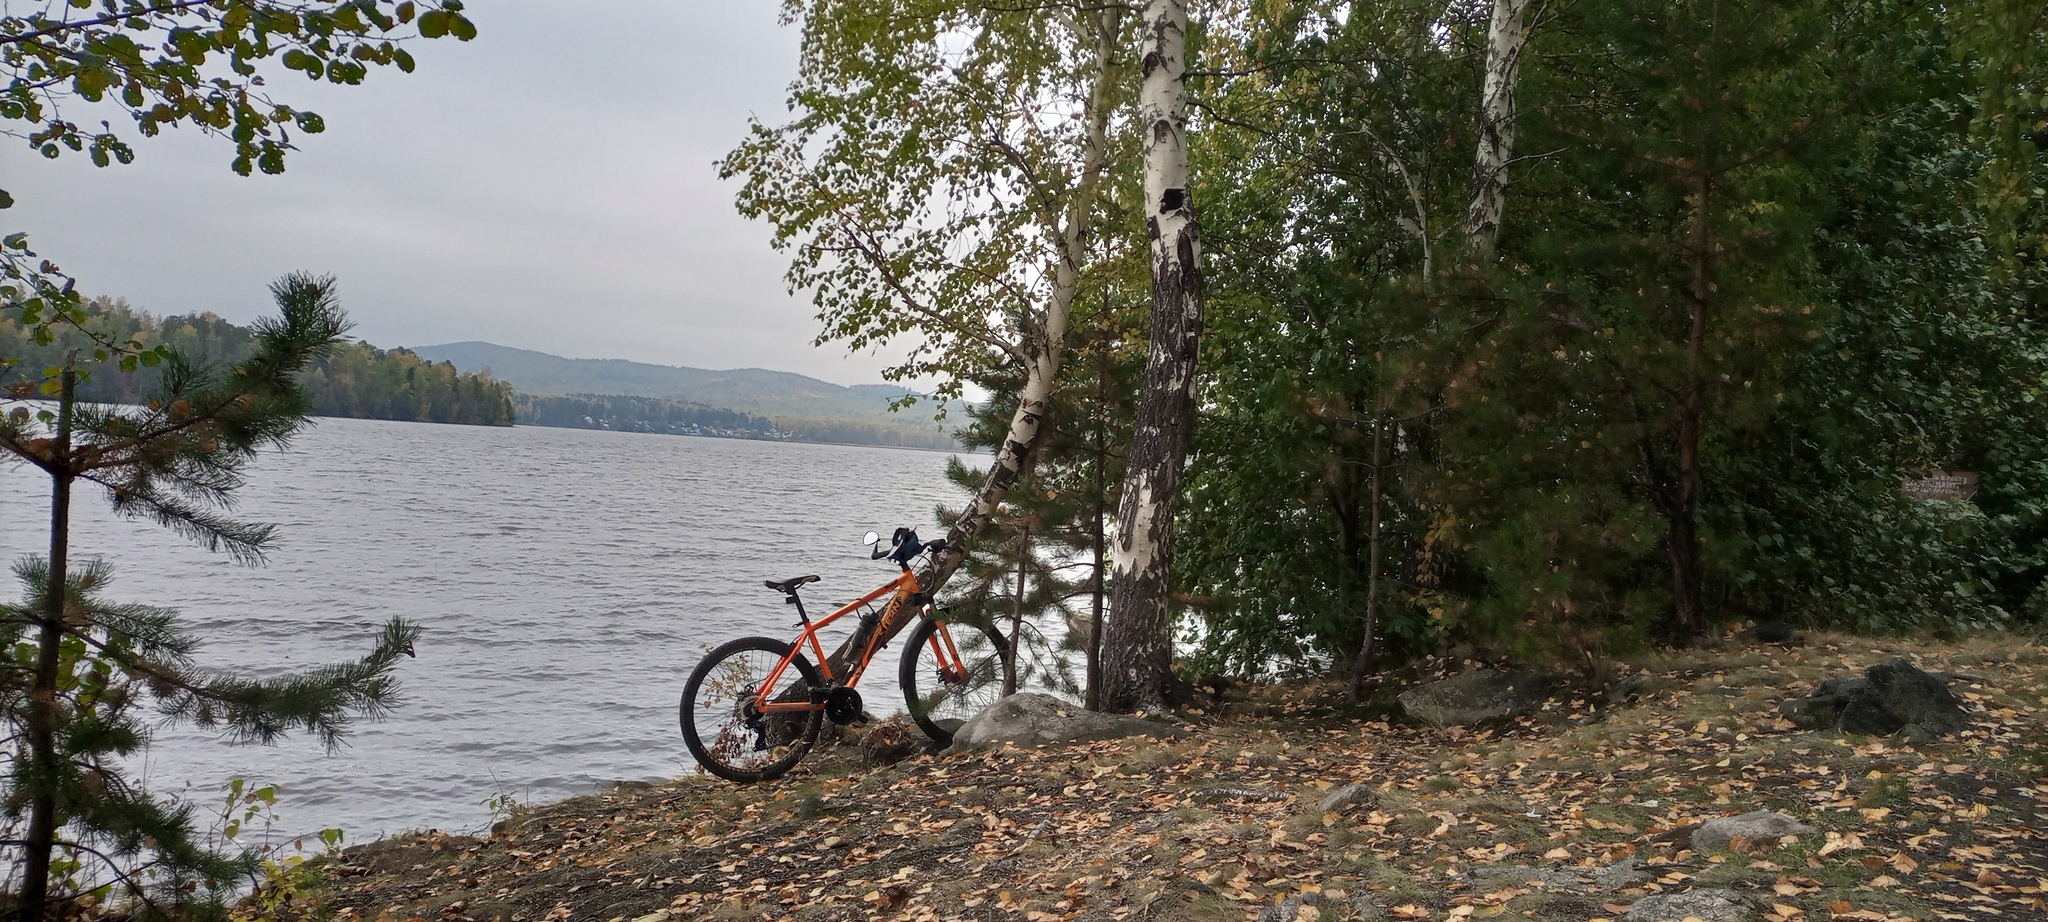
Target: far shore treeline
column 361, row 381
column 357, row 380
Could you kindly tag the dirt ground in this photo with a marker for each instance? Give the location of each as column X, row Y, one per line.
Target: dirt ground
column 1573, row 813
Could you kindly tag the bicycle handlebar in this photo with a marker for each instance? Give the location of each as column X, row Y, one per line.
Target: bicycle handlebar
column 905, row 546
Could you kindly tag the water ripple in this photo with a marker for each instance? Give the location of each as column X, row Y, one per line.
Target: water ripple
column 566, row 580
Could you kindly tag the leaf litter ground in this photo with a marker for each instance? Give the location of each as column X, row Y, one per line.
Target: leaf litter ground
column 1506, row 823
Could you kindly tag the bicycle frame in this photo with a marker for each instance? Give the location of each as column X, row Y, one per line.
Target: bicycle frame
column 903, row 587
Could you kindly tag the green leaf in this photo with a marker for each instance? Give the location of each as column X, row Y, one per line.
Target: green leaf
column 434, row 23
column 462, row 28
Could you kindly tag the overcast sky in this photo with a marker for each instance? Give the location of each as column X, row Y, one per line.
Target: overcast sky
column 548, row 186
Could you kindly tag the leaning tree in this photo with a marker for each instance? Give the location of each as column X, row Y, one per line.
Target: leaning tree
column 938, row 181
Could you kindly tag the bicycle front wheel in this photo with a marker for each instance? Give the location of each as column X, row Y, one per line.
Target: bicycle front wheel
column 721, row 711
column 951, row 670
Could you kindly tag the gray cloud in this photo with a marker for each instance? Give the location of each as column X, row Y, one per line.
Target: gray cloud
column 548, row 186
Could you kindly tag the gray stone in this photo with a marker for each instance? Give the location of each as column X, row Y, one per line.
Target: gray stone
column 1032, row 719
column 1366, row 908
column 1289, row 909
column 1920, row 699
column 1349, row 797
column 1711, row 905
column 1888, row 698
column 1626, row 691
column 1477, row 697
column 1628, row 872
column 1759, row 826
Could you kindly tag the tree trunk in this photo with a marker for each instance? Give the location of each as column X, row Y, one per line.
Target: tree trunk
column 1506, row 36
column 1092, row 697
column 1017, row 610
column 42, row 709
column 1045, row 348
column 1139, row 641
column 1682, row 545
column 1372, row 567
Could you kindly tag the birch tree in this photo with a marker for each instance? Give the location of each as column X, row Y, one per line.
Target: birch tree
column 936, row 187
column 1506, row 35
column 1138, row 643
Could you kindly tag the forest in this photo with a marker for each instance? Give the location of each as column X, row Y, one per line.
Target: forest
column 1338, row 334
column 355, row 380
column 1318, row 340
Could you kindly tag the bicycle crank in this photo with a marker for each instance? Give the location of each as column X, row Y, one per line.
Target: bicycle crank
column 842, row 704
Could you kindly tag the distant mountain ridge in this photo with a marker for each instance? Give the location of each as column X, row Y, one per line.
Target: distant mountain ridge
column 795, row 402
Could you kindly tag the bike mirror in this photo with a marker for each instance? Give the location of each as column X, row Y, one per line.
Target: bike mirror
column 872, row 539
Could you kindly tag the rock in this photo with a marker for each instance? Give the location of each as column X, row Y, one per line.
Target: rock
column 1888, row 698
column 1289, row 909
column 1922, row 700
column 1476, row 697
column 1626, row 691
column 891, row 742
column 1032, row 719
column 1628, row 872
column 1366, row 908
column 1710, row 905
column 1349, row 797
column 1757, row 826
column 1769, row 632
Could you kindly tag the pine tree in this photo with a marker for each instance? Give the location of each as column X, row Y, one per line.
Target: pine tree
column 1047, row 550
column 90, row 668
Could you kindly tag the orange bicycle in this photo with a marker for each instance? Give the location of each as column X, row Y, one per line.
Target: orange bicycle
column 753, row 707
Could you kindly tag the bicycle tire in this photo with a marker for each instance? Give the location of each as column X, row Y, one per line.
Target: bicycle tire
column 944, row 699
column 728, row 740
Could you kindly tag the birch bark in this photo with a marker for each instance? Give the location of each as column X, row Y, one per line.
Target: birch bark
column 1506, row 36
column 1138, row 643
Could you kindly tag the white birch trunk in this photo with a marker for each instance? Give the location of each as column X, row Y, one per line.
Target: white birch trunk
column 1138, row 643
column 1044, row 350
column 1505, row 38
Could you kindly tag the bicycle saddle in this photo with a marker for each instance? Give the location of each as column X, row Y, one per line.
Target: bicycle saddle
column 789, row 585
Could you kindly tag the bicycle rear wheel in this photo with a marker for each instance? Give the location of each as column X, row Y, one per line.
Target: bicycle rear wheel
column 943, row 690
column 722, row 720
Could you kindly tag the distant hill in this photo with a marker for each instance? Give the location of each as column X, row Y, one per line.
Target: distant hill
column 813, row 409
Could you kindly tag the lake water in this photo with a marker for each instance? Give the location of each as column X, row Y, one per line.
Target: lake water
column 566, row 581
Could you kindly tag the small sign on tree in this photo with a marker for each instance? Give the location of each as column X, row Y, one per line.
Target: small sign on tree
column 1953, row 486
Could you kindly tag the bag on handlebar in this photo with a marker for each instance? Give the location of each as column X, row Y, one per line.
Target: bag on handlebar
column 907, row 546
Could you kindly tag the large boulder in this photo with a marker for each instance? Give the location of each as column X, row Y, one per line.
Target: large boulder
column 1477, row 697
column 1032, row 719
column 1756, row 826
column 1888, row 698
column 1711, row 905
